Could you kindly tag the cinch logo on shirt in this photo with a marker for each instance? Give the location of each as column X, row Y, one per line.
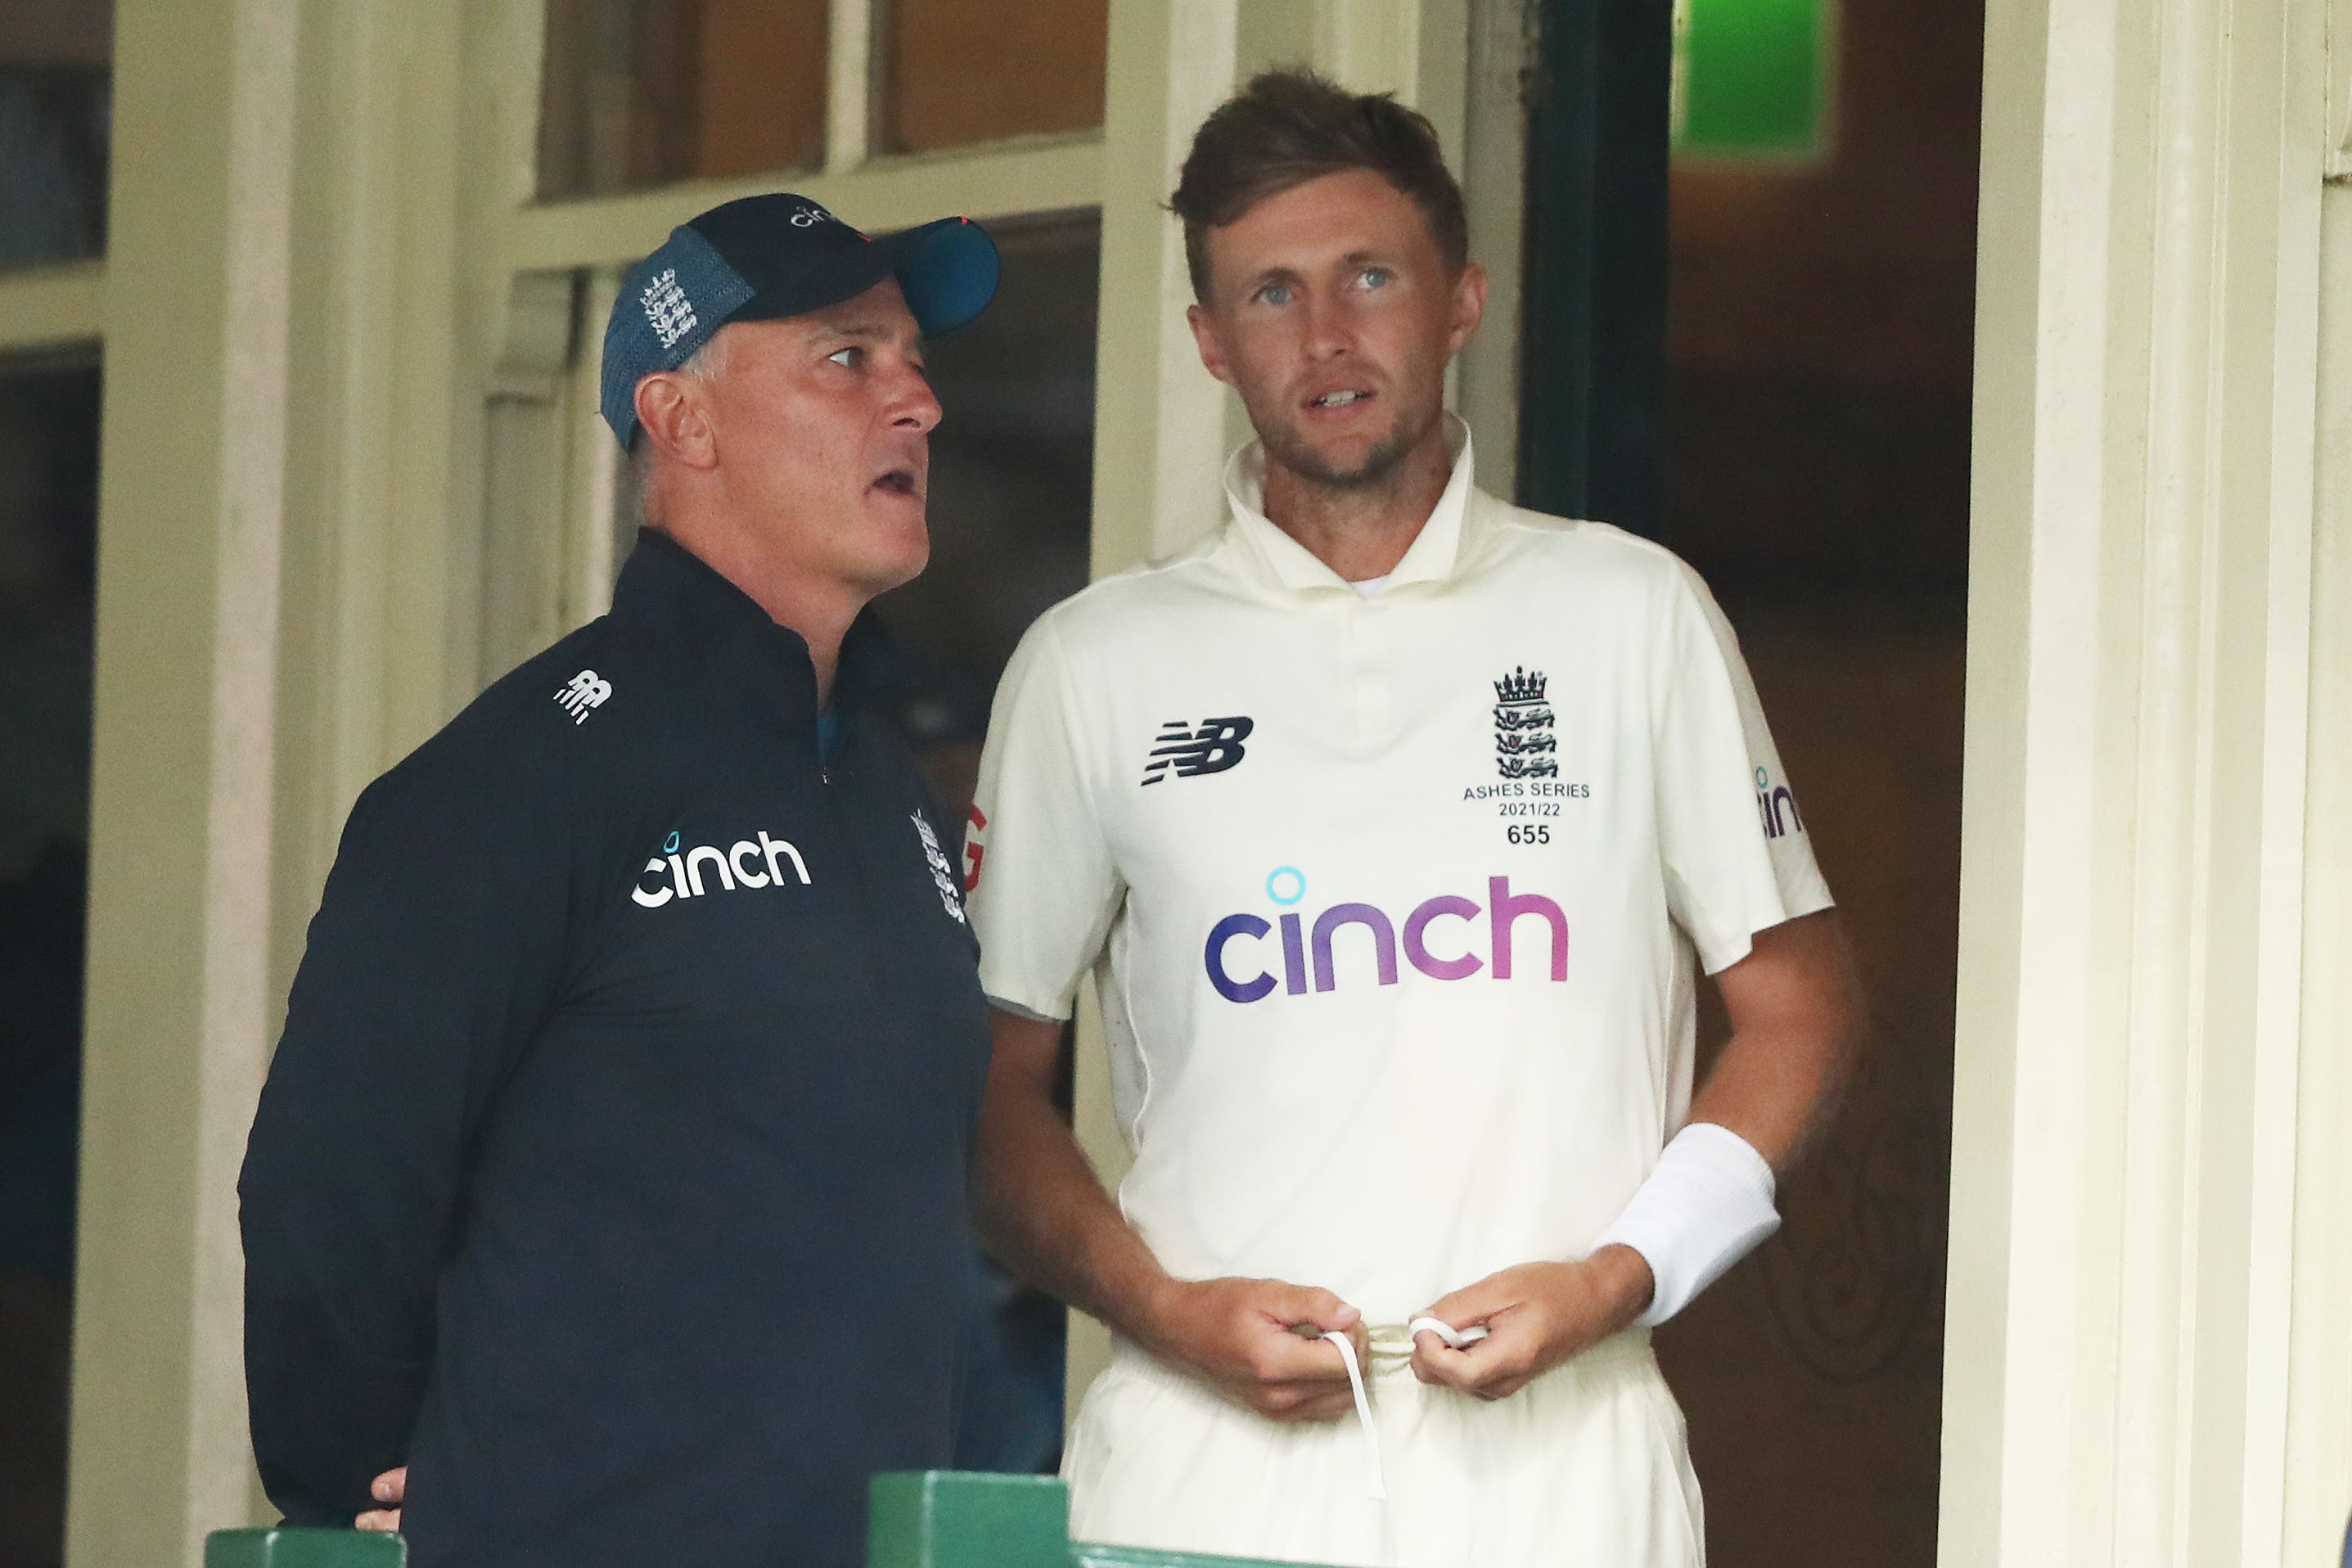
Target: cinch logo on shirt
column 740, row 866
column 1306, row 951
column 1212, row 748
column 1770, row 800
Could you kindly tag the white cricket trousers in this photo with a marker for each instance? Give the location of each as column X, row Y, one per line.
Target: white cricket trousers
column 1584, row 1467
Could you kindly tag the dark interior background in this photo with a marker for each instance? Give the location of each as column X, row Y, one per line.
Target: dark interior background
column 1819, row 329
column 49, row 544
column 56, row 81
column 1011, row 494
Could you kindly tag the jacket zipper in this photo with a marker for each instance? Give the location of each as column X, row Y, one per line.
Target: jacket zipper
column 847, row 827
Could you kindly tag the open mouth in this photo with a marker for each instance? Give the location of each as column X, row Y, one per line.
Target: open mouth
column 1340, row 397
column 899, row 482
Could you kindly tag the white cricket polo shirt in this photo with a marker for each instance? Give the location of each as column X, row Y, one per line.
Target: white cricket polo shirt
column 1392, row 901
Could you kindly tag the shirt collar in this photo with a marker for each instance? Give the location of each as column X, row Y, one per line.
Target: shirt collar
column 721, row 645
column 1436, row 552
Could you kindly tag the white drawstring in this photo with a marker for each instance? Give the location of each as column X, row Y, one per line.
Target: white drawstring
column 1363, row 1415
column 1460, row 1338
column 1457, row 1338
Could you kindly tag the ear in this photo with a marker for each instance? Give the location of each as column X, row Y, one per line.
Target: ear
column 1204, row 323
column 675, row 413
column 1469, row 307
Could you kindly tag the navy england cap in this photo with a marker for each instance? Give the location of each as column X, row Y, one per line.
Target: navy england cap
column 766, row 256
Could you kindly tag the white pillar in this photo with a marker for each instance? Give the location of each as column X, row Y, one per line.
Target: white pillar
column 2317, row 1448
column 2125, row 1259
column 297, row 355
column 181, row 1004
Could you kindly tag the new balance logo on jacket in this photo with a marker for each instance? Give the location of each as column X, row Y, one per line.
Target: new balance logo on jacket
column 581, row 692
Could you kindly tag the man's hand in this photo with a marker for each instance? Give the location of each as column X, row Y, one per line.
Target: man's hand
column 1239, row 1334
column 1538, row 1315
column 390, row 1488
column 1042, row 1213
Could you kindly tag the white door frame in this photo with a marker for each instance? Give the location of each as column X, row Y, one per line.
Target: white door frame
column 2150, row 1168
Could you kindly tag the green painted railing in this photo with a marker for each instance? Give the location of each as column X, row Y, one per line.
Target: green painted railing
column 939, row 1518
column 284, row 1547
column 946, row 1519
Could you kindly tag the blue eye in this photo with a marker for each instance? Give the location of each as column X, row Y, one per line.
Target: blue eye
column 1275, row 294
column 1373, row 277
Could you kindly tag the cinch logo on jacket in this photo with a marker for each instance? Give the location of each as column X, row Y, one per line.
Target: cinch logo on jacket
column 743, row 865
column 1505, row 911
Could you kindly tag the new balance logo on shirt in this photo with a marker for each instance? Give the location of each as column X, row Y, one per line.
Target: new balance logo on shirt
column 1185, row 752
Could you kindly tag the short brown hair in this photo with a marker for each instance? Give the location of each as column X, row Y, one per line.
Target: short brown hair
column 1290, row 126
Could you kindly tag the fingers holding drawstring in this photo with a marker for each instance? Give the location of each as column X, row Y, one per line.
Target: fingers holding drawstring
column 1537, row 1316
column 1256, row 1339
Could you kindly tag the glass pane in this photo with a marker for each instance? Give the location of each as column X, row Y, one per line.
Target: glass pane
column 635, row 93
column 56, row 81
column 954, row 72
column 48, row 548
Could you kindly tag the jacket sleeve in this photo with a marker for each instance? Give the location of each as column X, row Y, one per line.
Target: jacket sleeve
column 436, row 950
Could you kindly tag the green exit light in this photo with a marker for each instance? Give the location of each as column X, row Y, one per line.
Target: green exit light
column 1748, row 76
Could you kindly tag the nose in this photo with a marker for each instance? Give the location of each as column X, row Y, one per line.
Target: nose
column 912, row 405
column 1329, row 333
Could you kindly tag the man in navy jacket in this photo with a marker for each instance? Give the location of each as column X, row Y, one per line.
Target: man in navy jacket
column 610, row 1175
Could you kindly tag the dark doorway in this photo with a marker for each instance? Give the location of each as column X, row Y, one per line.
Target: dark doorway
column 1011, row 494
column 48, row 535
column 1800, row 437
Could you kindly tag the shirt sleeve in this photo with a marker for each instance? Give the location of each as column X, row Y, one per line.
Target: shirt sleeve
column 435, row 955
column 1736, row 858
column 1044, row 887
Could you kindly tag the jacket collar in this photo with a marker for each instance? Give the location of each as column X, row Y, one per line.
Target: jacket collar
column 721, row 647
column 1267, row 553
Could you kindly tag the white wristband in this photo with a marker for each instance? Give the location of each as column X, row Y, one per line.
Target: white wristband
column 1707, row 1204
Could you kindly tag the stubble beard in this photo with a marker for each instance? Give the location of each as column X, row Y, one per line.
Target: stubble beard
column 1286, row 445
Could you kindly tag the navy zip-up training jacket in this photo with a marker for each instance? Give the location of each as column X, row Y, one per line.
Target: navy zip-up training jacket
column 610, row 1172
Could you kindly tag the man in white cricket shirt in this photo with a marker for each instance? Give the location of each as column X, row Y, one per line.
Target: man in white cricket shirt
column 1393, row 822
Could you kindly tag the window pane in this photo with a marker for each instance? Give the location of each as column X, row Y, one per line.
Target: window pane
column 56, row 77
column 645, row 92
column 954, row 72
